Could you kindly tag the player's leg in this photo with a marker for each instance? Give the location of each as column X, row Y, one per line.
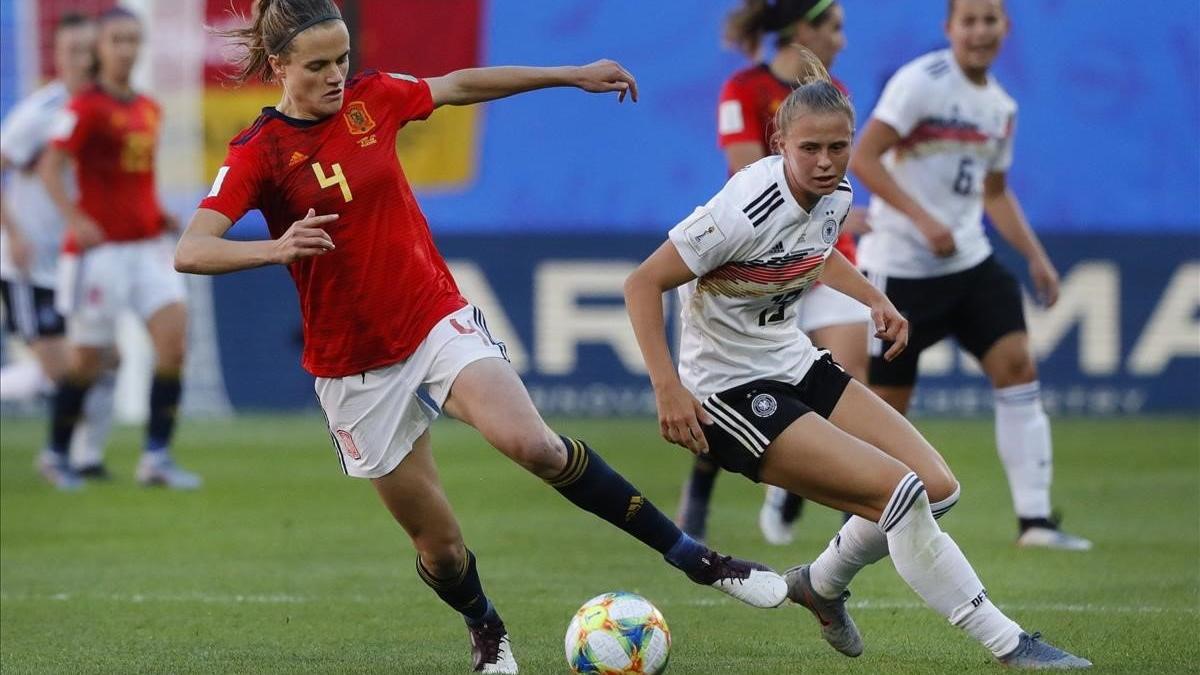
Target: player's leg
column 692, row 513
column 822, row 462
column 24, row 379
column 414, row 496
column 990, row 324
column 487, row 394
column 167, row 326
column 84, row 366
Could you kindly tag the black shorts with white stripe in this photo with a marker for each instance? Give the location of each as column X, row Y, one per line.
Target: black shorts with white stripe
column 29, row 311
column 748, row 417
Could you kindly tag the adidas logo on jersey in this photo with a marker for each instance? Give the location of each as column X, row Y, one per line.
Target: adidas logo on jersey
column 297, row 157
column 777, row 248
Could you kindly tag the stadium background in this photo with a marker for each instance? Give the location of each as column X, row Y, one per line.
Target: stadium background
column 543, row 203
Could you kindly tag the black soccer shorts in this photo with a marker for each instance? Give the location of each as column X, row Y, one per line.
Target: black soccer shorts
column 748, row 417
column 976, row 306
column 29, row 311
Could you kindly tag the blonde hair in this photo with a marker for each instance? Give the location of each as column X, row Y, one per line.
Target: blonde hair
column 814, row 92
column 274, row 24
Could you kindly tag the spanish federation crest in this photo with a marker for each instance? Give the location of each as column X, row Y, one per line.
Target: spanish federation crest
column 829, row 231
column 764, row 405
column 358, row 120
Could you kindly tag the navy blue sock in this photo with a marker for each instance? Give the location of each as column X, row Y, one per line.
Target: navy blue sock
column 792, row 505
column 592, row 485
column 68, row 406
column 165, row 391
column 688, row 555
column 463, row 592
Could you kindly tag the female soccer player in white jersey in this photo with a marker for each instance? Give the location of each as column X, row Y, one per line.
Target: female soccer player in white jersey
column 745, row 114
column 748, row 379
column 386, row 333
column 935, row 154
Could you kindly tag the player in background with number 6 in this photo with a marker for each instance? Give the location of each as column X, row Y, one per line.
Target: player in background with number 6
column 935, row 155
column 386, row 333
column 115, row 254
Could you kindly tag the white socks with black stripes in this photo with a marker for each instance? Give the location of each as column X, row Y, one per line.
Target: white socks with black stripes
column 1023, row 441
column 859, row 543
column 931, row 563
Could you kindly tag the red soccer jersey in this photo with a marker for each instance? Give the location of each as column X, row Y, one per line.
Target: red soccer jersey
column 372, row 300
column 113, row 142
column 746, row 113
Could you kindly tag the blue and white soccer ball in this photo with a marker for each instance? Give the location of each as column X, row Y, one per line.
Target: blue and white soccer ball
column 618, row 634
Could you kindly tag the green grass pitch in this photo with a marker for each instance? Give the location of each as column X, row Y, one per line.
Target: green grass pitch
column 281, row 564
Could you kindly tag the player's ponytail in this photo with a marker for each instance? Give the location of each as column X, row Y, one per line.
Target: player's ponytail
column 814, row 92
column 745, row 26
column 273, row 25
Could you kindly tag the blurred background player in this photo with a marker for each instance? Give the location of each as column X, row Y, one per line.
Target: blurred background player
column 31, row 231
column 116, row 255
column 388, row 336
column 745, row 122
column 935, row 154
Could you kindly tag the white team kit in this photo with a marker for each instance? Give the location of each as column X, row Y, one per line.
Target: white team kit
column 754, row 251
column 953, row 133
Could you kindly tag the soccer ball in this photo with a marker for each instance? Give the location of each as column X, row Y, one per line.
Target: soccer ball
column 618, row 634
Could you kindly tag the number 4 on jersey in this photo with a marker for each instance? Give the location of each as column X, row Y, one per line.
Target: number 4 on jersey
column 336, row 178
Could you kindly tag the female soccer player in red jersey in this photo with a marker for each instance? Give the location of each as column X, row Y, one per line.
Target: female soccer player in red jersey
column 116, row 256
column 386, row 333
column 745, row 122
column 749, row 380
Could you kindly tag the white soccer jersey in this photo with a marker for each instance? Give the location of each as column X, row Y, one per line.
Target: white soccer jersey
column 753, row 251
column 24, row 134
column 952, row 134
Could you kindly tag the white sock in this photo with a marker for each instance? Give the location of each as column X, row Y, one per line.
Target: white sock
column 91, row 433
column 858, row 544
column 932, row 564
column 22, row 380
column 1023, row 441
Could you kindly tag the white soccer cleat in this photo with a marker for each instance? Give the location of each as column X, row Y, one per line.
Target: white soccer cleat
column 754, row 584
column 158, row 469
column 774, row 529
column 1052, row 538
column 57, row 471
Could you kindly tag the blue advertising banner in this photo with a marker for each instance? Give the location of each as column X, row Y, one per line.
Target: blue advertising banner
column 1123, row 338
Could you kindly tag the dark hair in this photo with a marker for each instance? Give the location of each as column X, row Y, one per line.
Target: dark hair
column 950, row 8
column 745, row 26
column 274, row 24
column 115, row 13
column 814, row 92
column 71, row 20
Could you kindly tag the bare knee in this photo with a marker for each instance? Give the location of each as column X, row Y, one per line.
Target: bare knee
column 441, row 554
column 1017, row 370
column 940, row 484
column 538, row 451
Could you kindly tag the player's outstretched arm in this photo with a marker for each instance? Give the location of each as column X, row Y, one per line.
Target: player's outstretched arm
column 203, row 249
column 476, row 85
column 890, row 325
column 679, row 413
column 1009, row 220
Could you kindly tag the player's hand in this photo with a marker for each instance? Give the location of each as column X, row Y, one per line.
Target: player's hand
column 680, row 416
column 890, row 326
column 856, row 222
column 20, row 251
column 1045, row 280
column 86, row 232
column 605, row 75
column 305, row 238
column 939, row 237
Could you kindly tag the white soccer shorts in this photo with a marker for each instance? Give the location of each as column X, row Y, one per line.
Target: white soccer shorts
column 375, row 417
column 821, row 307
column 94, row 287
